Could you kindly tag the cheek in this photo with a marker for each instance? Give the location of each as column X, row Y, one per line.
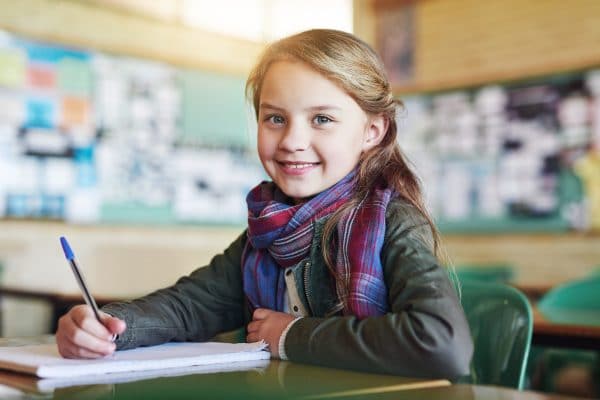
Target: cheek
column 341, row 155
column 266, row 153
column 262, row 146
column 263, row 159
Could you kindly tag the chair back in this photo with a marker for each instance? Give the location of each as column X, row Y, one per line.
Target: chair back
column 501, row 325
column 575, row 302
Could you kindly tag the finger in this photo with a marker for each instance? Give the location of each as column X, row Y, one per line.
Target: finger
column 253, row 326
column 83, row 339
column 68, row 349
column 71, row 350
column 113, row 324
column 86, row 320
column 252, row 337
column 80, row 311
column 261, row 313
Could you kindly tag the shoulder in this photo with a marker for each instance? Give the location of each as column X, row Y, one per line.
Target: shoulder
column 402, row 215
column 404, row 220
column 233, row 252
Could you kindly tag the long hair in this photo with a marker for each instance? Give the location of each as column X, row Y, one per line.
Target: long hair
column 355, row 67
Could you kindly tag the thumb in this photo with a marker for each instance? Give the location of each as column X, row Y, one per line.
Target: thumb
column 261, row 313
column 113, row 324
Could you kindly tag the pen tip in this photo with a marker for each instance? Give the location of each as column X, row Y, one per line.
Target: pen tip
column 66, row 248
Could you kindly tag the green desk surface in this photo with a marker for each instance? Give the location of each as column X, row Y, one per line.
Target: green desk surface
column 462, row 392
column 278, row 380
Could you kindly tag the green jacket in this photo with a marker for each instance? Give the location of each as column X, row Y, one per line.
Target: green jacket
column 425, row 333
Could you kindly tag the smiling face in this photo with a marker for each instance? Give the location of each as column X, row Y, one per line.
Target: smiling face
column 310, row 132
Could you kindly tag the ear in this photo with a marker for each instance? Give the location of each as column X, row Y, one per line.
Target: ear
column 377, row 127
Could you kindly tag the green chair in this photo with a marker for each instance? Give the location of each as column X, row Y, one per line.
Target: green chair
column 576, row 302
column 501, row 325
column 485, row 272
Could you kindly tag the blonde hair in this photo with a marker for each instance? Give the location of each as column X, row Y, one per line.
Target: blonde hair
column 355, row 67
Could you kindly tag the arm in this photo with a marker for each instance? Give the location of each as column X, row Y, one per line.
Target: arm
column 200, row 305
column 425, row 334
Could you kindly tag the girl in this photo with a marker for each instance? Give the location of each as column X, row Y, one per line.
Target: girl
column 337, row 266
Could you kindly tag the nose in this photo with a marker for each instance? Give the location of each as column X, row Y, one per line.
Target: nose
column 295, row 138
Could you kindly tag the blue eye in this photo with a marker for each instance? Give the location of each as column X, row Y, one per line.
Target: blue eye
column 275, row 119
column 321, row 119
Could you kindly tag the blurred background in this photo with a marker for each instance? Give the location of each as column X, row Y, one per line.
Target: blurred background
column 123, row 125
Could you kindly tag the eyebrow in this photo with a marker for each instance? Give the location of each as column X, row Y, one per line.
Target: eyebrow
column 314, row 108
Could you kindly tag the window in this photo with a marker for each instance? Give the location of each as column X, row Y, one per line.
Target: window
column 265, row 20
column 256, row 20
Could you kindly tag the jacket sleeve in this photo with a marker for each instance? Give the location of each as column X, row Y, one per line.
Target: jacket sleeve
column 425, row 334
column 198, row 306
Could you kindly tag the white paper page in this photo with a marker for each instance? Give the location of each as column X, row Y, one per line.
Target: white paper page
column 49, row 384
column 45, row 361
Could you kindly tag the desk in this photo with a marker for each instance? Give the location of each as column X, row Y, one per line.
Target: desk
column 464, row 392
column 553, row 334
column 279, row 380
column 534, row 292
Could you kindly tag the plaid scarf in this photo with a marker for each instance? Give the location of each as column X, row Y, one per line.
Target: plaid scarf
column 280, row 235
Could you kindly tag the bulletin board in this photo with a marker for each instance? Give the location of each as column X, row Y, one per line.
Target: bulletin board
column 508, row 157
column 89, row 137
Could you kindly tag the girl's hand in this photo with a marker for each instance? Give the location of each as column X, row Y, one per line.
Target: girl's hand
column 268, row 325
column 80, row 335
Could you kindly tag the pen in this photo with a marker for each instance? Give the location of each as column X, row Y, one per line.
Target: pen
column 79, row 277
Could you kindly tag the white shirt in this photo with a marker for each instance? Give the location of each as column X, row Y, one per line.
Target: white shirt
column 291, row 305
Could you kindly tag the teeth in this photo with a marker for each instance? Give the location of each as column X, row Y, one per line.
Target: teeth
column 298, row 166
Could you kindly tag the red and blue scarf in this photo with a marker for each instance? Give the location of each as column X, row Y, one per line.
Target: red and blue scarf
column 280, row 236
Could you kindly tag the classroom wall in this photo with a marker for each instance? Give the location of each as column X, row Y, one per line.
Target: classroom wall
column 452, row 51
column 467, row 42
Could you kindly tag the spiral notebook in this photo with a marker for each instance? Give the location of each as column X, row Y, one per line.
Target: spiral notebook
column 44, row 361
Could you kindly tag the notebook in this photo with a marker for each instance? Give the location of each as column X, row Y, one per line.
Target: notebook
column 44, row 360
column 33, row 384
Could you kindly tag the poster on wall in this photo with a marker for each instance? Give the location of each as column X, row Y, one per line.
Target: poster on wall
column 45, row 123
column 395, row 39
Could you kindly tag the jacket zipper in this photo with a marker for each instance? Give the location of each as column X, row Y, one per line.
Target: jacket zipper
column 307, row 265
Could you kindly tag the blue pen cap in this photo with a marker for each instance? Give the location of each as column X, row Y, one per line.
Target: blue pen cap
column 66, row 248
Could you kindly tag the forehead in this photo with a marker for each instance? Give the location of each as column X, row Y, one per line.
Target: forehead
column 289, row 72
column 296, row 82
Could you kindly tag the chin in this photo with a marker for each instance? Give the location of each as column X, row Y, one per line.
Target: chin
column 298, row 194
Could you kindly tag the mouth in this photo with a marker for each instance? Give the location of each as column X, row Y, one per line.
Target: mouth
column 297, row 164
column 297, row 167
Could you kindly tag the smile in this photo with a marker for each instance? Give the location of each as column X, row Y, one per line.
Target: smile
column 297, row 167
